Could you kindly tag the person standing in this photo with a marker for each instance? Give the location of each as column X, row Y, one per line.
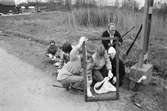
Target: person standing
column 113, row 33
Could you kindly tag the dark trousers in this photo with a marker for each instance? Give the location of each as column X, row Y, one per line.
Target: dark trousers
column 99, row 75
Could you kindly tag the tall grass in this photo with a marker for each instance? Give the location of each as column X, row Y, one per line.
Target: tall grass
column 95, row 17
column 125, row 19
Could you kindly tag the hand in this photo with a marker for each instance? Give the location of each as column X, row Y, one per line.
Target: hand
column 110, row 74
column 53, row 58
column 82, row 39
column 114, row 80
column 111, row 42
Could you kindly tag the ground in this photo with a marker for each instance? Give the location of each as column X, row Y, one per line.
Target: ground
column 25, row 87
column 35, row 76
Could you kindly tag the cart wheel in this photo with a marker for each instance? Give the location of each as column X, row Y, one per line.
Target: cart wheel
column 133, row 85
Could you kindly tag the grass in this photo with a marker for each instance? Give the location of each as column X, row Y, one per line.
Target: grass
column 95, row 17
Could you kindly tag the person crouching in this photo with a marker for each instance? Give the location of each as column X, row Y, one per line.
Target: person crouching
column 71, row 73
column 101, row 64
column 112, row 56
column 51, row 51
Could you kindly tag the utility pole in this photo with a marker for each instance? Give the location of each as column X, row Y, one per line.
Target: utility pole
column 146, row 31
column 37, row 7
column 142, row 72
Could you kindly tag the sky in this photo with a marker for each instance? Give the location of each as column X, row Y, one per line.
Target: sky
column 141, row 2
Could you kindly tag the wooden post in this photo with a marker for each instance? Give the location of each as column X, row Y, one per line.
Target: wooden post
column 117, row 69
column 149, row 18
column 146, row 30
column 36, row 5
column 88, row 11
column 84, row 66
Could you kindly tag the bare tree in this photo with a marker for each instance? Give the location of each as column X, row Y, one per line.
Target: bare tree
column 116, row 3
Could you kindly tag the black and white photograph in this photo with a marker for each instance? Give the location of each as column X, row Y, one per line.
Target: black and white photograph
column 83, row 55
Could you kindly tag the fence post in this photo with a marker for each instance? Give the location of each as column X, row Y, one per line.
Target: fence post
column 117, row 69
column 84, row 66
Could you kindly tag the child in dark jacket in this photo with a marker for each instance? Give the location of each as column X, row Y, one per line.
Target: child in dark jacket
column 66, row 48
column 51, row 51
column 112, row 53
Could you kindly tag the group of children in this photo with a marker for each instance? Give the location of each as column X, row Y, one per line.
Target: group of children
column 100, row 64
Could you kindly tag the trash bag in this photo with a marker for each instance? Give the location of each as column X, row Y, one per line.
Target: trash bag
column 104, row 86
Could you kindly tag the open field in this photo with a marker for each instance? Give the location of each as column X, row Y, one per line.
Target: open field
column 58, row 26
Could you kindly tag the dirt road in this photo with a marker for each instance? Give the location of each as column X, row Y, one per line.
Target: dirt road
column 25, row 88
